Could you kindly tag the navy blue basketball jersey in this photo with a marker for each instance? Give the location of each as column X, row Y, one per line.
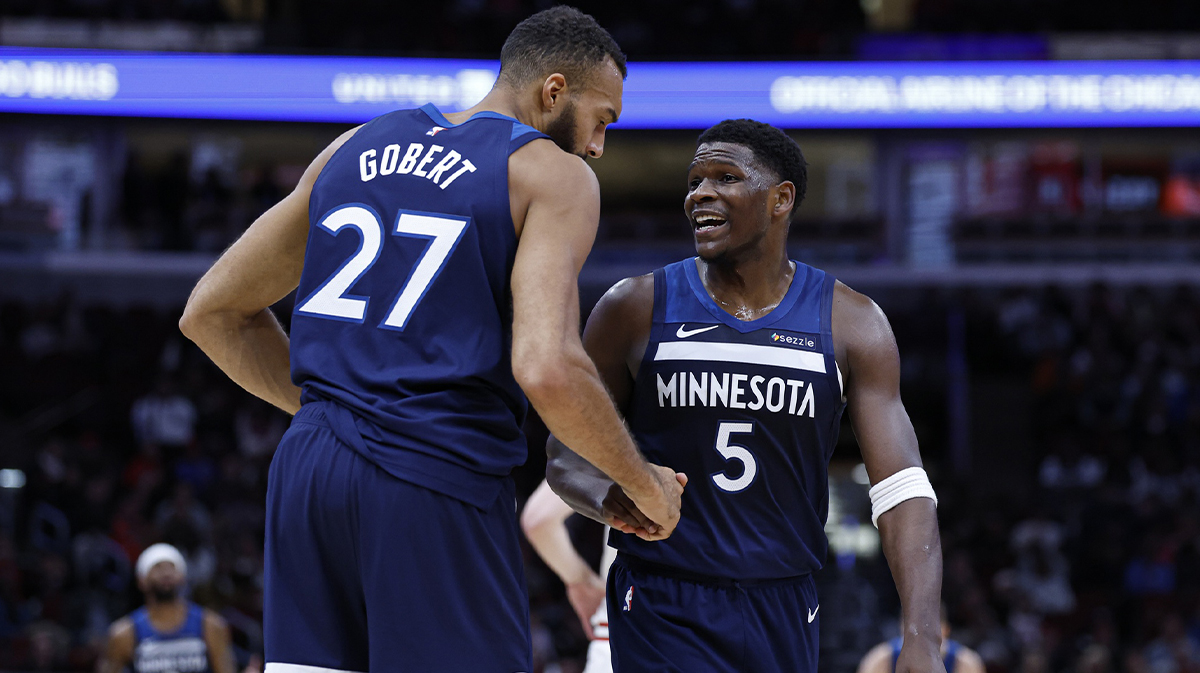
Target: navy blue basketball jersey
column 948, row 658
column 403, row 314
column 750, row 411
column 183, row 651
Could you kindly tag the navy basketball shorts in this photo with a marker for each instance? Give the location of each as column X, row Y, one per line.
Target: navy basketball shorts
column 663, row 621
column 365, row 572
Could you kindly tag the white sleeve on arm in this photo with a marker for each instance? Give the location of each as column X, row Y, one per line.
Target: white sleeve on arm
column 906, row 484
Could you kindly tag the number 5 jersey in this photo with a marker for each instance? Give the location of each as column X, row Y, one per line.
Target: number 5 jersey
column 750, row 411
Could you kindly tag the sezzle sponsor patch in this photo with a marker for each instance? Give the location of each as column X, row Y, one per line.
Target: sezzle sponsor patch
column 802, row 341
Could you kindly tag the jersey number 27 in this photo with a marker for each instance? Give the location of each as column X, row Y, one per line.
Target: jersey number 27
column 330, row 299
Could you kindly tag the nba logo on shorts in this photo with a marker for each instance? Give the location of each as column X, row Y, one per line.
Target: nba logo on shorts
column 628, row 599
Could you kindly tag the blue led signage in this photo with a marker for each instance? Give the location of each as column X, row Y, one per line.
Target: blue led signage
column 657, row 95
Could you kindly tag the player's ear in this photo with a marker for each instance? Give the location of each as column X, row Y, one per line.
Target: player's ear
column 553, row 90
column 785, row 197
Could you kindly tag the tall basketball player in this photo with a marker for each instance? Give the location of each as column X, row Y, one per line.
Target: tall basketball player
column 435, row 260
column 735, row 367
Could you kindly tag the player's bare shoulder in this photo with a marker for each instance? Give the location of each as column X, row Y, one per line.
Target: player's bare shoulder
column 630, row 301
column 318, row 164
column 969, row 661
column 214, row 621
column 877, row 660
column 542, row 171
column 118, row 649
column 622, row 319
column 859, row 325
column 122, row 630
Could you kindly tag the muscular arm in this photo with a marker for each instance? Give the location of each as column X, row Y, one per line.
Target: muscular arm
column 118, row 648
column 227, row 314
column 558, row 228
column 615, row 339
column 544, row 522
column 577, row 482
column 871, row 367
column 216, row 637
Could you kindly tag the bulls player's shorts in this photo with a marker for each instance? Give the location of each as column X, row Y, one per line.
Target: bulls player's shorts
column 662, row 620
column 599, row 657
column 365, row 572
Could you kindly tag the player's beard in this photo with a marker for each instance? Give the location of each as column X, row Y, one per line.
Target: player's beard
column 165, row 594
column 562, row 130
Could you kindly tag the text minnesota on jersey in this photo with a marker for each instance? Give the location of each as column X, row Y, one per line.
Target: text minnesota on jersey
column 736, row 391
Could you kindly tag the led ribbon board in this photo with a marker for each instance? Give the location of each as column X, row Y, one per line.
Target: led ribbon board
column 657, row 95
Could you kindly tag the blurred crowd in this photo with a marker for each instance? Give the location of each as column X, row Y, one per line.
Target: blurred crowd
column 974, row 16
column 662, row 28
column 1092, row 563
column 124, row 437
column 179, row 205
column 1083, row 556
column 1086, row 561
column 479, row 27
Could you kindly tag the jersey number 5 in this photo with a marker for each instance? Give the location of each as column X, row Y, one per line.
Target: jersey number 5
column 735, row 452
column 330, row 299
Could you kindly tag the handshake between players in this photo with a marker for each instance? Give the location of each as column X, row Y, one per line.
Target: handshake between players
column 623, row 512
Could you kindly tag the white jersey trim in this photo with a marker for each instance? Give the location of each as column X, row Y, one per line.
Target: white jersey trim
column 750, row 354
column 276, row 667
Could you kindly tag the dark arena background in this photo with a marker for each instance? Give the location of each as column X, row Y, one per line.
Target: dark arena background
column 1017, row 184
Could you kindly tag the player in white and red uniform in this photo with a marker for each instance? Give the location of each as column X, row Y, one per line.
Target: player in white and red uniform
column 544, row 522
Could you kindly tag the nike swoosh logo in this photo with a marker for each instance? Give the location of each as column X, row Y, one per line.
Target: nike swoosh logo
column 812, row 614
column 685, row 333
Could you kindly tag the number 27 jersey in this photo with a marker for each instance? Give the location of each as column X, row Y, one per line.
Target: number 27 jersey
column 403, row 313
column 750, row 411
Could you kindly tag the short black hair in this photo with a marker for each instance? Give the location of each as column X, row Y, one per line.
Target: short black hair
column 560, row 39
column 771, row 147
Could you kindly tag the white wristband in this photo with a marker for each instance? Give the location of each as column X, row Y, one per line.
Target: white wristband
column 906, row 484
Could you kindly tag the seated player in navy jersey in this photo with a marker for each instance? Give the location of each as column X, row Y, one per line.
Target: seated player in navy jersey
column 735, row 367
column 435, row 261
column 170, row 633
column 957, row 658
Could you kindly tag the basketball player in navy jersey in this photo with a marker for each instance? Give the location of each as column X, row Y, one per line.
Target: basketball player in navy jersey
column 735, row 367
column 170, row 633
column 956, row 657
column 435, row 262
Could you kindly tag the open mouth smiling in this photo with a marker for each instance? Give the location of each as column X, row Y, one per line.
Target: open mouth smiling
column 705, row 222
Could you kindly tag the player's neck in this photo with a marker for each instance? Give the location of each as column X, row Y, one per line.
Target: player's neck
column 500, row 100
column 167, row 616
column 748, row 288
